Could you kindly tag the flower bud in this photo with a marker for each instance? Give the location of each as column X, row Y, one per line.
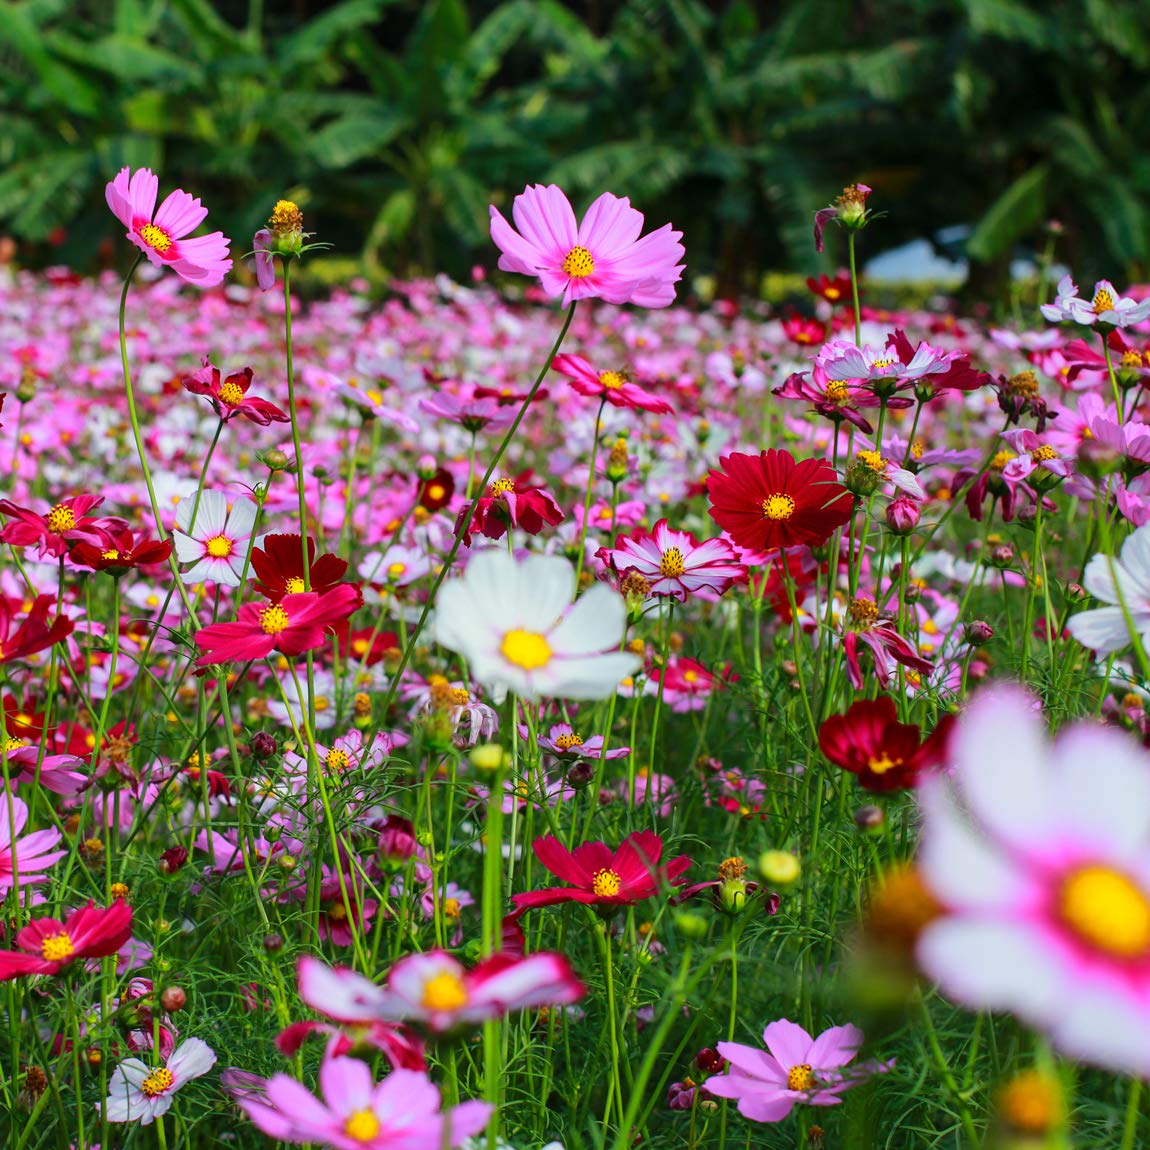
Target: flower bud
column 617, row 460
column 426, row 467
column 851, row 205
column 172, row 860
column 396, row 840
column 861, row 477
column 274, row 460
column 903, row 515
column 580, row 774
column 978, row 632
column 690, row 925
column 173, row 998
column 870, row 819
column 1001, row 556
column 710, row 1061
column 273, row 943
column 779, row 868
column 262, row 745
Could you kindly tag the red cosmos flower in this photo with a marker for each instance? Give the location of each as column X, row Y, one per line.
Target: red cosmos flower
column 600, row 876
column 831, row 398
column 34, row 632
column 66, row 523
column 863, row 624
column 50, row 945
column 230, row 398
column 798, row 329
column 368, row 645
column 510, row 502
column 772, row 501
column 885, row 754
column 834, row 290
column 506, row 396
column 295, row 624
column 278, row 567
column 120, row 552
column 614, row 386
column 437, row 491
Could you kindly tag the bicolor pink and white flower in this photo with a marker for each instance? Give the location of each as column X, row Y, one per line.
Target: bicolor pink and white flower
column 216, row 544
column 675, row 563
column 600, row 258
column 140, row 1093
column 1105, row 306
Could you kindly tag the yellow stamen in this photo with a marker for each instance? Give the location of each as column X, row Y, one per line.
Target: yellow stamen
column 526, row 649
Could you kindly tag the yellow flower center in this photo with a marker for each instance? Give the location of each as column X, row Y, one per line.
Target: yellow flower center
column 110, row 555
column 778, row 506
column 395, row 570
column 799, row 1077
column 61, row 519
column 337, row 760
column 1108, row 910
column 578, row 264
column 231, row 393
column 286, row 217
column 273, row 620
column 565, row 742
column 502, row 485
column 435, row 492
column 156, row 238
column 526, row 649
column 612, row 379
column 294, row 585
column 56, row 947
column 883, row 364
column 1043, row 454
column 444, row 992
column 671, row 564
column 1031, row 1102
column 219, row 547
column 158, row 1082
column 1132, row 358
column 605, row 883
column 837, row 391
column 363, row 1126
column 873, row 460
column 862, row 612
column 999, row 462
column 883, row 763
column 1025, row 384
column 451, row 907
column 1103, row 301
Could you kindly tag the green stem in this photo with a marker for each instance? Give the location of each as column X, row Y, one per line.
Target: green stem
column 1130, row 1127
column 855, row 289
column 590, row 489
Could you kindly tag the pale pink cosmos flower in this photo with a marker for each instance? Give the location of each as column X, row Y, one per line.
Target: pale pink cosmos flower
column 795, row 1068
column 600, row 258
column 1039, row 851
column 25, row 860
column 354, row 1113
column 1105, row 306
column 435, row 992
column 217, row 542
column 161, row 234
column 140, row 1093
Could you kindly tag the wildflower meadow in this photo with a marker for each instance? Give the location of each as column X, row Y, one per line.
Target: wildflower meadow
column 551, row 711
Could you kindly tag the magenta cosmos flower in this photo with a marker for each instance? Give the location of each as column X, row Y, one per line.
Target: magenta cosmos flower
column 600, row 258
column 24, row 859
column 161, row 234
column 435, row 992
column 794, row 1068
column 1039, row 853
column 614, row 386
column 400, row 1113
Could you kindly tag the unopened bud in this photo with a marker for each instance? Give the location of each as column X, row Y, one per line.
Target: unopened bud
column 870, row 819
column 489, row 757
column 1001, row 556
column 710, row 1061
column 262, row 745
column 978, row 632
column 580, row 774
column 426, row 467
column 172, row 860
column 779, row 868
column 275, row 460
column 173, row 998
column 273, row 943
column 903, row 515
column 690, row 925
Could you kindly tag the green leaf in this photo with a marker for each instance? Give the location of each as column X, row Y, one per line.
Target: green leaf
column 312, row 42
column 355, row 136
column 1011, row 216
column 488, row 44
column 1007, row 20
column 19, row 32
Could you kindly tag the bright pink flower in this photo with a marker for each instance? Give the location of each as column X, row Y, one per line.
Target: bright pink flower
column 297, row 623
column 66, row 523
column 50, row 945
column 600, row 258
column 675, row 563
column 160, row 235
column 33, row 633
column 562, row 741
column 435, row 992
column 511, row 503
column 794, row 1068
column 400, row 1113
column 899, row 366
column 230, row 398
column 23, row 861
column 600, row 876
column 614, row 386
column 402, row 1047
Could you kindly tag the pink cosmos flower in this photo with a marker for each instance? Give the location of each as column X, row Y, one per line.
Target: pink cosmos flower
column 863, row 624
column 794, row 1068
column 48, row 945
column 1106, row 306
column 23, row 861
column 562, row 741
column 614, row 386
column 160, row 235
column 230, row 398
column 66, row 523
column 400, row 1113
column 140, row 1093
column 600, row 258
column 1039, row 853
column 470, row 413
column 899, row 365
column 436, row 993
column 1031, row 455
column 675, row 563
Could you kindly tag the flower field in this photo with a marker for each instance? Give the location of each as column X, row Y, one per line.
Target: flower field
column 552, row 711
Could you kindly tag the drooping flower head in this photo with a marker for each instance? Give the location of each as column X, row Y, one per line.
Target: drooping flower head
column 600, row 258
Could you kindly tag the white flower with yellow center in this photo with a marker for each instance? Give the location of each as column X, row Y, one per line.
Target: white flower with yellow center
column 515, row 624
column 140, row 1093
column 216, row 543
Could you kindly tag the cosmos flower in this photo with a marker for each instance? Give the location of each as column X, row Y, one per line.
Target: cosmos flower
column 614, row 386
column 121, row 552
column 834, row 399
column 602, row 877
column 771, row 501
column 849, row 211
column 1106, row 306
column 25, row 860
column 20, row 638
column 470, row 413
column 1123, row 583
column 161, row 235
column 67, row 523
column 1039, row 853
column 140, row 1093
column 899, row 365
column 600, row 258
column 864, row 624
column 277, row 564
column 216, row 544
column 49, row 945
column 510, row 503
column 564, row 743
column 230, row 397
column 516, row 626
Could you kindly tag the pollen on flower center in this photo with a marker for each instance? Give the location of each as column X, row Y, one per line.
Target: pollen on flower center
column 612, row 379
column 605, row 883
column 1043, row 454
column 61, row 519
column 56, row 947
column 286, row 217
column 778, row 506
column 579, row 264
column 873, row 460
column 883, row 763
column 156, row 238
column 799, row 1077
column 566, row 742
column 671, row 565
column 219, row 546
column 451, row 907
column 862, row 612
column 883, row 364
column 1107, row 910
column 444, row 992
column 1132, row 358
column 500, row 486
column 110, row 554
column 231, row 393
column 158, row 1082
column 273, row 620
column 395, row 570
column 337, row 760
column 999, row 462
column 293, row 585
column 362, row 1126
column 526, row 649
column 837, row 391
column 1103, row 301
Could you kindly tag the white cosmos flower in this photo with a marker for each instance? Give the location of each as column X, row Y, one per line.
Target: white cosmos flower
column 140, row 1093
column 515, row 624
column 217, row 543
column 1104, row 629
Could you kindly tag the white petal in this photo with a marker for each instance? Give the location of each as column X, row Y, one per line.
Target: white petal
column 1103, row 630
column 596, row 623
column 589, row 677
column 1106, row 1027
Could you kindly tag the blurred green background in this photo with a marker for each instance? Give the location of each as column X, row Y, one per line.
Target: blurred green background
column 395, row 123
